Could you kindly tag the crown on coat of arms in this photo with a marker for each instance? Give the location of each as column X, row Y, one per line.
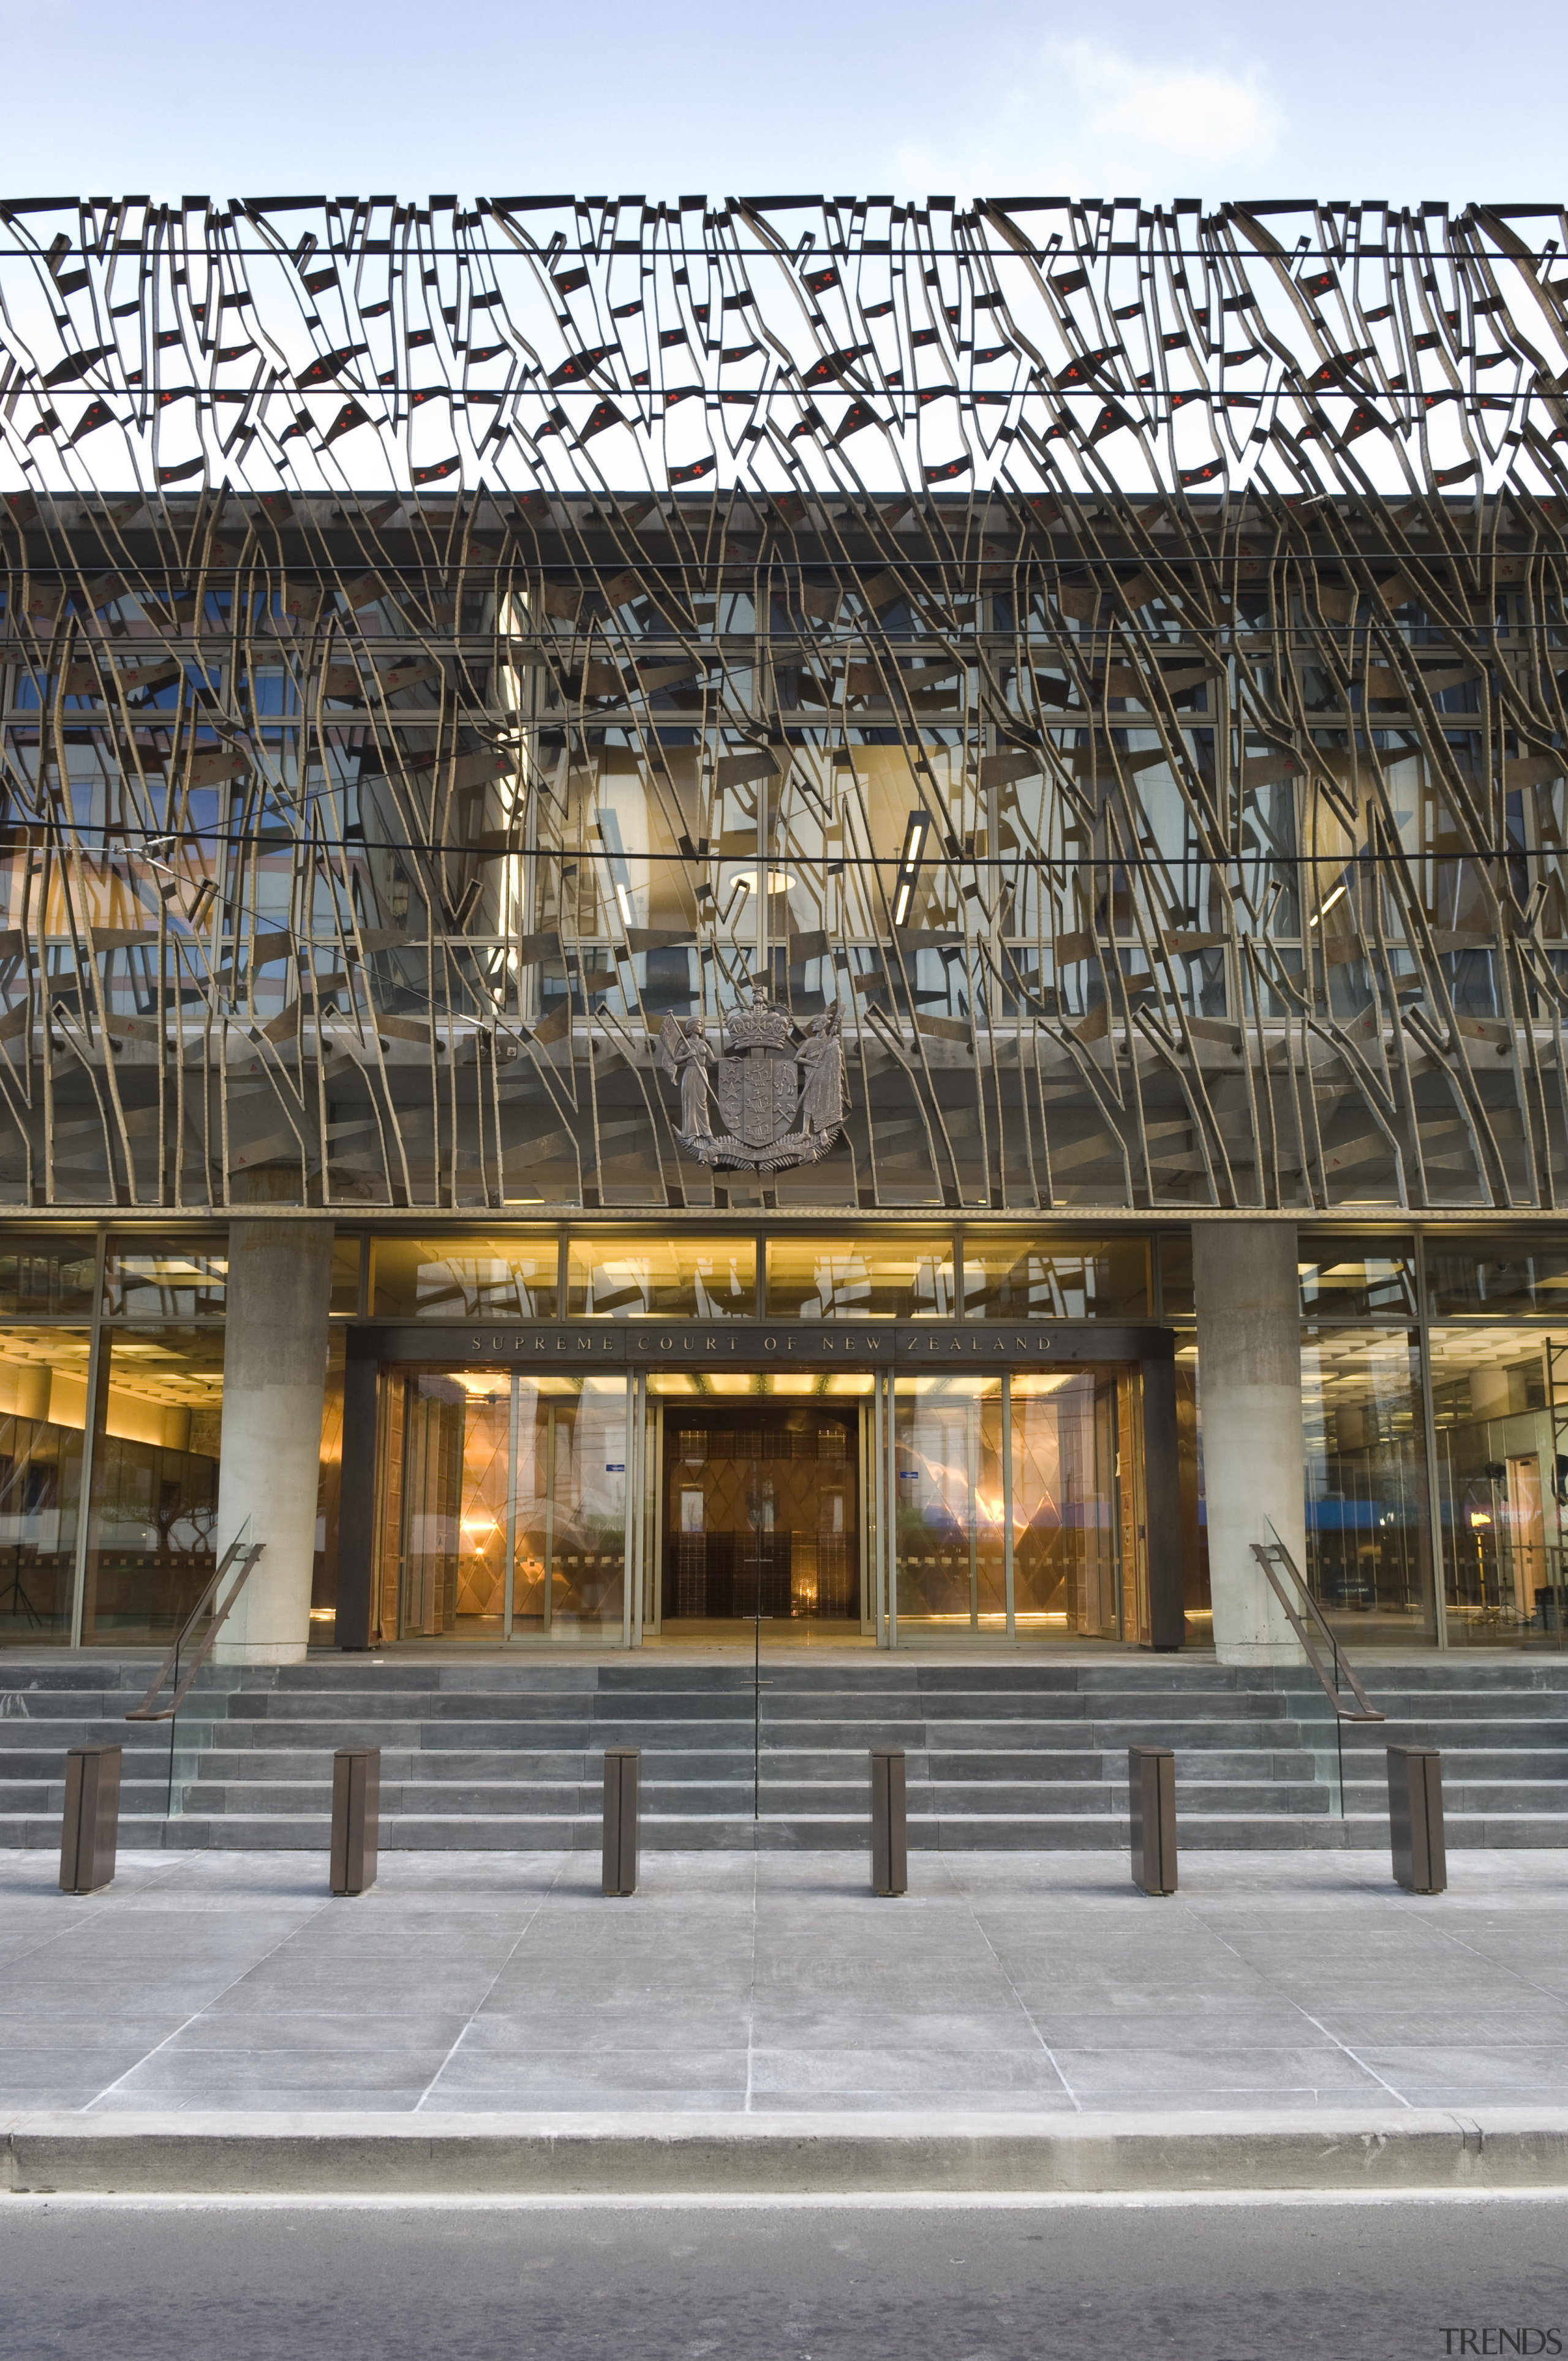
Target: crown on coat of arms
column 761, row 1026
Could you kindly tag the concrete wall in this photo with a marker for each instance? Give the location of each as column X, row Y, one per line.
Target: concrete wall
column 1249, row 1383
column 275, row 1345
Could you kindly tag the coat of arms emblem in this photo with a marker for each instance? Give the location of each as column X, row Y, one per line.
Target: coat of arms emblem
column 780, row 1093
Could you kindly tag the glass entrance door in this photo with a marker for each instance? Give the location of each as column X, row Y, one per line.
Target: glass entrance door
column 507, row 1494
column 513, row 1505
column 760, row 1516
column 1012, row 1513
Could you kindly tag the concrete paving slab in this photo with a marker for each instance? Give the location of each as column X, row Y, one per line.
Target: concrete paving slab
column 754, row 1990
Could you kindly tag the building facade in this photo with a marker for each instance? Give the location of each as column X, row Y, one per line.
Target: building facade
column 846, row 913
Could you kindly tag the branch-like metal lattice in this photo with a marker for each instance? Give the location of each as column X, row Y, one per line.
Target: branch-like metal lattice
column 1116, row 657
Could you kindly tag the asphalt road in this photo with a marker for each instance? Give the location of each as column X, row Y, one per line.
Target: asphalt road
column 819, row 2282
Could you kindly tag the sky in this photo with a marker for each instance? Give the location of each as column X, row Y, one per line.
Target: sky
column 1352, row 99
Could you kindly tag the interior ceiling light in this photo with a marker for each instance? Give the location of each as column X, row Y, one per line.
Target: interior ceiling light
column 909, row 861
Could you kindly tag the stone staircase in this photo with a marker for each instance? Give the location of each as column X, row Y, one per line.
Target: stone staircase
column 485, row 1752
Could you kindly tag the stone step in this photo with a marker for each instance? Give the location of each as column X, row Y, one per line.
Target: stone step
column 363, row 1730
column 1200, row 1830
column 230, row 1765
column 509, row 1753
column 1461, row 1793
column 1432, row 1729
column 733, row 1796
column 134, row 1737
column 1549, row 1788
column 1498, row 1713
column 646, row 1703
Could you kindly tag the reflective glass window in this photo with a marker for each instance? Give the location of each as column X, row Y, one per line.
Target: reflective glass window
column 155, row 1482
column 156, row 1280
column 668, row 1278
column 1353, row 1279
column 949, row 1515
column 43, row 1417
column 1195, row 1595
column 896, row 1274
column 1175, row 1295
column 1066, row 1570
column 47, row 1275
column 1366, row 1505
column 1007, row 1277
column 1524, row 1279
column 514, row 1278
column 329, row 1495
column 499, row 1479
column 1502, row 1487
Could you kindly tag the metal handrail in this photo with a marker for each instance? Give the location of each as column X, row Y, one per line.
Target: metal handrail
column 149, row 1710
column 1273, row 1553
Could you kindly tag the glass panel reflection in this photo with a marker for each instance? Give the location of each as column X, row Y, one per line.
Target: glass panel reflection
column 698, row 1279
column 949, row 1515
column 987, row 1471
column 329, row 1495
column 582, row 1428
column 1523, row 1277
column 1368, row 1549
column 465, row 1278
column 1356, row 1279
column 1501, row 1487
column 1066, row 1574
column 516, row 1481
column 47, row 1275
column 43, row 1404
column 165, row 1280
column 455, row 1466
column 900, row 1276
column 155, row 1482
column 1011, row 1279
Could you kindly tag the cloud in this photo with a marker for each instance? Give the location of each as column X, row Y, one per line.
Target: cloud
column 1084, row 119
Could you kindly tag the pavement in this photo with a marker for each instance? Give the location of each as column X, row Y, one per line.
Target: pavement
column 1018, row 2021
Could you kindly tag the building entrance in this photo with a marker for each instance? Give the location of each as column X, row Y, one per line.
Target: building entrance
column 574, row 1482
column 760, row 1516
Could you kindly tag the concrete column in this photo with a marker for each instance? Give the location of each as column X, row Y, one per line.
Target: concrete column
column 1249, row 1403
column 275, row 1345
